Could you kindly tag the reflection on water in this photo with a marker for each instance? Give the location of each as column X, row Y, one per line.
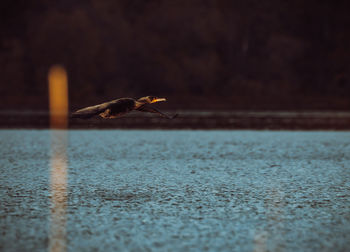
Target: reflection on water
column 260, row 240
column 270, row 237
column 58, row 191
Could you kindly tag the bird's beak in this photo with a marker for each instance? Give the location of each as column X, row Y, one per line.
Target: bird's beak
column 158, row 100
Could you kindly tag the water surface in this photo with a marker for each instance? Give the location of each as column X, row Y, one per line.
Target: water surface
column 142, row 190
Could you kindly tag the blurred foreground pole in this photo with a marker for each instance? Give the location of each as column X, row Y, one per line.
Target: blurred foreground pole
column 58, row 96
column 58, row 93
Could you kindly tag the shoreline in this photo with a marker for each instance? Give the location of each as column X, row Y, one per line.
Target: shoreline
column 270, row 120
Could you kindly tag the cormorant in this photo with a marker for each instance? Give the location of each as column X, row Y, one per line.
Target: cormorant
column 119, row 107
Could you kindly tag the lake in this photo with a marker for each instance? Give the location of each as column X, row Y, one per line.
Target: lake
column 174, row 190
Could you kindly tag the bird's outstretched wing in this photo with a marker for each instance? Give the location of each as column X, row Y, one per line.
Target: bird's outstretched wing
column 147, row 108
column 91, row 111
column 113, row 108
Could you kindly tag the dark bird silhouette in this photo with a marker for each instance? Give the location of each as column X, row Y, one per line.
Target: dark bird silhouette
column 120, row 107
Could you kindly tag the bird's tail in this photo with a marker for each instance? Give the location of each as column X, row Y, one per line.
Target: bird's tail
column 80, row 115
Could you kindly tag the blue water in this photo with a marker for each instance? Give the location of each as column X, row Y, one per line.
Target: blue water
column 145, row 190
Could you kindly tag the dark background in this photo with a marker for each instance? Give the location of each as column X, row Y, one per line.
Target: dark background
column 200, row 54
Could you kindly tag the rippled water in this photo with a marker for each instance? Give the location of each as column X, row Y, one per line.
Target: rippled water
column 178, row 190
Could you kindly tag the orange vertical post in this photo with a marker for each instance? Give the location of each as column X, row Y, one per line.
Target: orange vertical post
column 58, row 101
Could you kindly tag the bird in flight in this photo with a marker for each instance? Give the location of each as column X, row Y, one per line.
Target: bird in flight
column 119, row 107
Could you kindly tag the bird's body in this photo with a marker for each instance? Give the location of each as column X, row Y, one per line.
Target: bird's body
column 119, row 107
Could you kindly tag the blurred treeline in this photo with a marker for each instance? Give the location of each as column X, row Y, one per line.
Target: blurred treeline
column 201, row 54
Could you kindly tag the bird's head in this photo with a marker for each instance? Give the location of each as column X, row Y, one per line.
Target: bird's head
column 150, row 99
